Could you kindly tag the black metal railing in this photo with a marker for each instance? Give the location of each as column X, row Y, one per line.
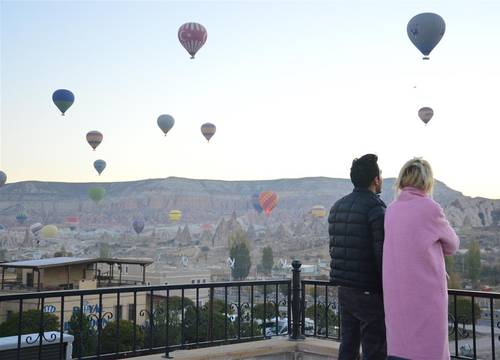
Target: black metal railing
column 123, row 322
column 473, row 321
column 131, row 321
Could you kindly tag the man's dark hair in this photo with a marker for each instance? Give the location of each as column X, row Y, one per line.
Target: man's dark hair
column 364, row 170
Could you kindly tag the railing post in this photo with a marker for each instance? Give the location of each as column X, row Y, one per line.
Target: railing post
column 296, row 300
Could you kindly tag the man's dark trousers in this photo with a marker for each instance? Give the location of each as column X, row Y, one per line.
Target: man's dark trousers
column 362, row 321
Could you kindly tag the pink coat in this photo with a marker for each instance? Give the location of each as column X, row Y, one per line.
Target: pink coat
column 417, row 236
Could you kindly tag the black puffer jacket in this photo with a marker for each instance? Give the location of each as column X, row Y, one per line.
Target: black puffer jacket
column 356, row 228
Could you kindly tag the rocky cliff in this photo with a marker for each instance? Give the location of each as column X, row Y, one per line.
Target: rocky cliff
column 206, row 200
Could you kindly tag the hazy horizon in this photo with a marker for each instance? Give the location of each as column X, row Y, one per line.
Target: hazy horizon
column 293, row 88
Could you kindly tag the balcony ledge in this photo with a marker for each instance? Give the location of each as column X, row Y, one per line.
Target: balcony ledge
column 317, row 348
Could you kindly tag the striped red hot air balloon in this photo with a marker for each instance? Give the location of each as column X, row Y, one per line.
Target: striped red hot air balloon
column 73, row 222
column 192, row 36
column 268, row 201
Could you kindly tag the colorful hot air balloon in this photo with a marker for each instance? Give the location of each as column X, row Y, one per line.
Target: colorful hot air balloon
column 35, row 228
column 268, row 201
column 99, row 165
column 318, row 211
column 425, row 114
column 49, row 231
column 208, row 130
column 94, row 138
column 97, row 194
column 138, row 225
column 165, row 123
column 425, row 31
column 256, row 203
column 175, row 215
column 192, row 36
column 21, row 218
column 63, row 99
column 3, row 178
column 73, row 222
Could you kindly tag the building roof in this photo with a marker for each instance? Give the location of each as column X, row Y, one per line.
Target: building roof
column 133, row 261
column 65, row 261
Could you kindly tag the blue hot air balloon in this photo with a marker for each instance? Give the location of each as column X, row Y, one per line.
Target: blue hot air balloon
column 425, row 31
column 63, row 99
column 256, row 203
column 138, row 225
column 99, row 165
column 165, row 123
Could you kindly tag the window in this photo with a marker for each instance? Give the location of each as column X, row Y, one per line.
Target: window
column 126, row 269
column 131, row 312
column 118, row 312
column 204, row 281
column 193, row 281
column 198, row 281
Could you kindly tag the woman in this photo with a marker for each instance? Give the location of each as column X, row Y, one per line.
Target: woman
column 417, row 237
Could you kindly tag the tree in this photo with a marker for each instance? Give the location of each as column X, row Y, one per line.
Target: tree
column 473, row 262
column 85, row 340
column 464, row 311
column 110, row 343
column 267, row 260
column 240, row 252
column 30, row 323
column 204, row 250
column 258, row 311
column 321, row 316
column 454, row 280
column 159, row 332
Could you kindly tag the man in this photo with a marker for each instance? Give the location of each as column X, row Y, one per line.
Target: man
column 356, row 228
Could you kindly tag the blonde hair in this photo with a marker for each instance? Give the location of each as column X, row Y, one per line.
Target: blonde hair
column 416, row 173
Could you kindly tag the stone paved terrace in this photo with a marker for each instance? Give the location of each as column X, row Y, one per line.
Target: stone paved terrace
column 275, row 349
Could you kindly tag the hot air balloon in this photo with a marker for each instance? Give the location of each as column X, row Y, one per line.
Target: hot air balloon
column 175, row 215
column 21, row 217
column 94, row 138
column 99, row 165
column 256, row 204
column 63, row 99
column 3, row 178
column 425, row 31
column 35, row 228
column 425, row 114
column 192, row 36
column 73, row 222
column 318, row 211
column 207, row 227
column 268, row 201
column 208, row 130
column 97, row 194
column 138, row 226
column 165, row 123
column 49, row 231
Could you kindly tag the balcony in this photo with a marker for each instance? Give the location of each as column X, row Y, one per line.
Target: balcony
column 269, row 319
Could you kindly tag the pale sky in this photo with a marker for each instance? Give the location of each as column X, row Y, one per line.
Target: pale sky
column 296, row 89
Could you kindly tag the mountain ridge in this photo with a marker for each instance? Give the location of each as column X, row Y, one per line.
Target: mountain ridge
column 204, row 200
